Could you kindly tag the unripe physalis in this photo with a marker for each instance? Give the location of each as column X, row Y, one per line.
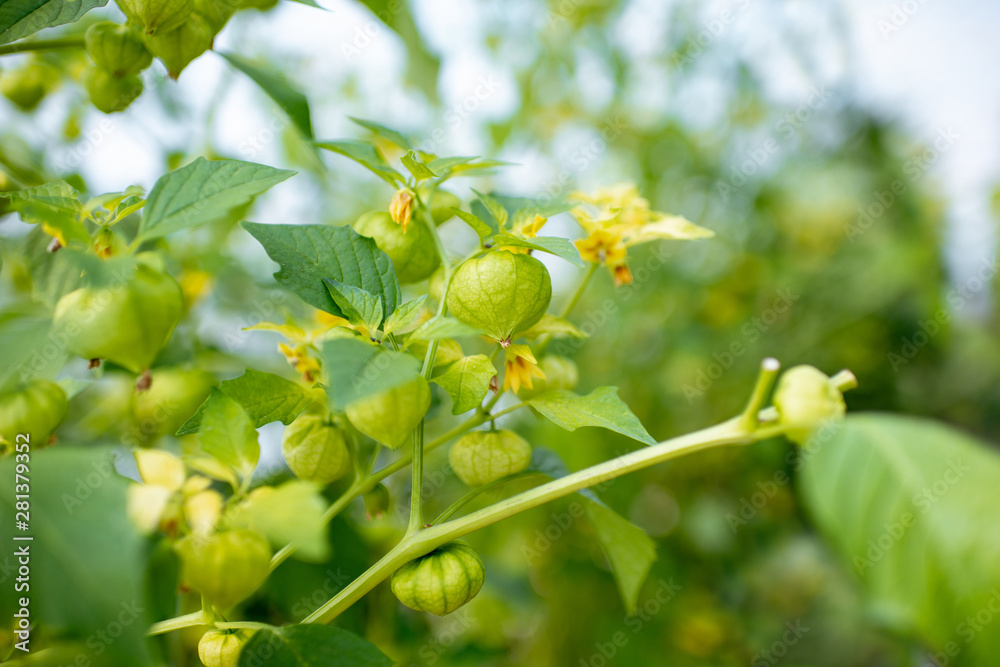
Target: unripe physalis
column 35, row 410
column 117, row 49
column 177, row 48
column 805, row 398
column 442, row 581
column 315, row 450
column 172, row 398
column 221, row 648
column 127, row 323
column 156, row 16
column 390, row 416
column 377, row 502
column 500, row 293
column 108, row 93
column 27, row 86
column 401, row 208
column 216, row 12
column 482, row 457
column 225, row 567
column 413, row 253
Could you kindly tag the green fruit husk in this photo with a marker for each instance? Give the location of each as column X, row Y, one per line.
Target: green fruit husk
column 442, row 581
column 390, row 416
column 316, row 450
column 413, row 254
column 109, row 93
column 500, row 293
column 225, row 567
column 35, row 410
column 117, row 49
column 482, row 457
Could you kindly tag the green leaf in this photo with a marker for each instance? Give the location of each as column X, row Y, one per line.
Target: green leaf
column 553, row 245
column 527, row 207
column 481, row 227
column 413, row 164
column 360, row 306
column 630, row 551
column 310, row 646
column 367, row 155
column 354, row 369
column 291, row 512
column 309, row 253
column 551, row 325
column 601, row 407
column 28, row 350
column 20, row 18
column 84, row 541
column 54, row 204
column 442, row 326
column 292, row 101
column 202, row 191
column 265, row 397
column 467, row 381
column 490, row 210
column 404, row 315
column 392, row 135
column 228, row 434
column 910, row 505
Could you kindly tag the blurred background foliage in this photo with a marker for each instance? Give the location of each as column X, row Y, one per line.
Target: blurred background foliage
column 563, row 89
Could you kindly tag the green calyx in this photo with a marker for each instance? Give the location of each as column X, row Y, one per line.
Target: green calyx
column 221, row 648
column 34, row 410
column 413, row 253
column 442, row 581
column 390, row 416
column 500, row 293
column 174, row 395
column 482, row 457
column 157, row 16
column 126, row 324
column 28, row 85
column 117, row 49
column 225, row 567
column 109, row 93
column 177, row 48
column 316, row 450
column 805, row 398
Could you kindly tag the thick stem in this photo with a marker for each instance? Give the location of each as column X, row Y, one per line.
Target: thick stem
column 186, row 621
column 417, row 481
column 413, row 546
column 42, row 45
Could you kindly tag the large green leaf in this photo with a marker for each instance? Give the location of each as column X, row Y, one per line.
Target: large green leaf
column 361, row 307
column 310, row 646
column 265, row 397
column 20, row 18
column 553, row 245
column 86, row 559
column 601, row 407
column 30, row 349
column 467, row 381
column 202, row 191
column 911, row 505
column 367, row 155
column 228, row 434
column 292, row 102
column 354, row 369
column 309, row 253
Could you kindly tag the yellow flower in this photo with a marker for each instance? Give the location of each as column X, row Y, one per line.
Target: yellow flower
column 530, row 230
column 617, row 218
column 520, row 368
column 401, row 208
column 298, row 357
column 194, row 284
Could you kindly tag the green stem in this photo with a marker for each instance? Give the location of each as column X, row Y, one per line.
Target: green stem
column 417, row 481
column 416, row 545
column 42, row 45
column 188, row 620
column 243, row 625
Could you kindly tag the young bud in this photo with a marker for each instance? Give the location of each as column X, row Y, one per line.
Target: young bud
column 401, row 208
column 805, row 397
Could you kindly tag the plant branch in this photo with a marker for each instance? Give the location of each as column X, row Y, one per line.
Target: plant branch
column 188, row 620
column 42, row 45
